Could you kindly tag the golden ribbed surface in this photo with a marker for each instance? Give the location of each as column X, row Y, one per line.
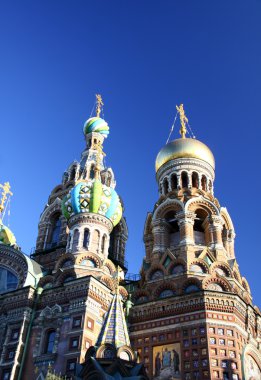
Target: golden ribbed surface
column 184, row 148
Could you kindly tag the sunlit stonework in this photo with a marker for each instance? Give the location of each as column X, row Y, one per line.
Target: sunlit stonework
column 70, row 310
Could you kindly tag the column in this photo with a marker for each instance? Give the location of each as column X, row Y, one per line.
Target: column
column 186, row 223
column 216, row 227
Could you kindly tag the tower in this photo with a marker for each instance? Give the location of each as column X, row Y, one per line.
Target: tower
column 72, row 290
column 193, row 316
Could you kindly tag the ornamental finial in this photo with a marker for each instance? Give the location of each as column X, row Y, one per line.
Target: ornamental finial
column 99, row 104
column 183, row 121
column 5, row 191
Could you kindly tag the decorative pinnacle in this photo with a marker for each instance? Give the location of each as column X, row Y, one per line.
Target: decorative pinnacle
column 183, row 121
column 5, row 191
column 99, row 104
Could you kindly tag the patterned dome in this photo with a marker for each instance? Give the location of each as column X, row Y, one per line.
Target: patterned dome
column 96, row 124
column 93, row 196
column 6, row 235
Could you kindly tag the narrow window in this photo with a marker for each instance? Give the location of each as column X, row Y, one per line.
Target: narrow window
column 204, row 183
column 103, row 243
column 56, row 229
column 184, row 179
column 86, row 238
column 75, row 240
column 166, row 186
column 50, row 338
column 195, row 180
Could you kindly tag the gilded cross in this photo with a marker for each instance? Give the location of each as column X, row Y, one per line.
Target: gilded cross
column 99, row 104
column 183, row 121
column 5, row 192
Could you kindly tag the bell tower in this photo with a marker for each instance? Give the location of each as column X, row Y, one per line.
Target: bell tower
column 191, row 302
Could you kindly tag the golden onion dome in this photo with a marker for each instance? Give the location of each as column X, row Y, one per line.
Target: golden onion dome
column 184, row 148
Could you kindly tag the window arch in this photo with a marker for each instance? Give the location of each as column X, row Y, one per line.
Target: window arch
column 199, row 229
column 86, row 238
column 67, row 263
column 166, row 293
column 204, row 183
column 184, row 179
column 196, row 268
column 178, row 269
column 191, row 288
column 156, row 274
column 166, row 186
column 174, row 235
column 89, row 263
column 75, row 241
column 8, row 281
column 195, row 180
column 55, row 231
column 49, row 341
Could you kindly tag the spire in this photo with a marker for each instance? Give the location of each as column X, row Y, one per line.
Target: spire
column 114, row 330
column 183, row 121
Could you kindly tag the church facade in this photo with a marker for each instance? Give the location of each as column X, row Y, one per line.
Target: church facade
column 67, row 310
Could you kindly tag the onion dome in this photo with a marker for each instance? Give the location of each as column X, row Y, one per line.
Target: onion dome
column 94, row 197
column 184, row 148
column 96, row 124
column 6, row 235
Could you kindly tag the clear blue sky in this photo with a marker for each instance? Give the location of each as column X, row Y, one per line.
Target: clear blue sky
column 144, row 57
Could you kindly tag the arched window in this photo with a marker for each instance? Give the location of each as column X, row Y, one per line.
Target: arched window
column 92, row 172
column 166, row 293
column 88, row 263
column 56, row 229
column 195, row 180
column 76, row 235
column 210, row 186
column 86, row 238
column 199, row 231
column 103, row 243
column 8, row 281
column 157, row 274
column 184, row 179
column 214, row 286
column 49, row 342
column 67, row 263
column 195, row 268
column 191, row 288
column 174, row 182
column 178, row 269
column 165, row 186
column 174, row 235
column 204, row 183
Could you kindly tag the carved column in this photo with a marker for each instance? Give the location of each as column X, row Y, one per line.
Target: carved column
column 216, row 224
column 160, row 230
column 186, row 223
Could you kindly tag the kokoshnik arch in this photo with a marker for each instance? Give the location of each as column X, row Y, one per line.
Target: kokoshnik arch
column 70, row 309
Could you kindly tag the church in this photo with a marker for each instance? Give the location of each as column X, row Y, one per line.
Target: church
column 70, row 311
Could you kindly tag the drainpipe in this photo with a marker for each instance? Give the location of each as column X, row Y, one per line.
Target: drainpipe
column 36, row 299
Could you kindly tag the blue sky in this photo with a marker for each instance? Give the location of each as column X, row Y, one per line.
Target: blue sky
column 144, row 57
